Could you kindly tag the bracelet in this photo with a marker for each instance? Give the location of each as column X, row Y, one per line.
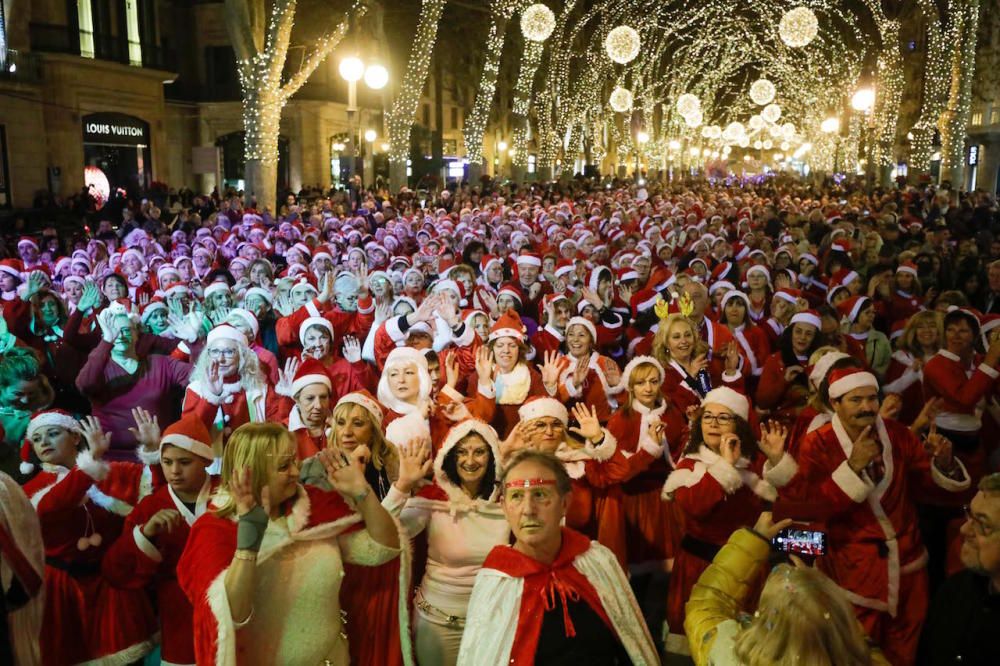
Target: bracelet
column 247, row 555
column 362, row 496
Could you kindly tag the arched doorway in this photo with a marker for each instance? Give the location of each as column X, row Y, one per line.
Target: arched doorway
column 234, row 162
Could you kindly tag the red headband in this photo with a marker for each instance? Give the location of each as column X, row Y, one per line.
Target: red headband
column 528, row 483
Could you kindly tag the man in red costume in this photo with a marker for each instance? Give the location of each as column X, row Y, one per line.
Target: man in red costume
column 866, row 472
column 554, row 592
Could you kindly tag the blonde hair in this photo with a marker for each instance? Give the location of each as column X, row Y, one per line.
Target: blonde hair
column 661, row 351
column 255, row 446
column 250, row 373
column 804, row 619
column 383, row 453
column 815, row 401
column 639, row 372
column 908, row 340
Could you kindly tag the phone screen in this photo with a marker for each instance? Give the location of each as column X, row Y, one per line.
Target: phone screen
column 800, row 542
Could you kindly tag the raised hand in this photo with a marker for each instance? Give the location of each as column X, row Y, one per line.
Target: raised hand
column 864, row 451
column 729, row 448
column 591, row 297
column 98, row 441
column 146, row 430
column 143, row 299
column 767, row 528
column 551, row 369
column 456, row 412
column 451, row 369
column 90, row 298
column 772, row 440
column 164, row 520
column 793, row 371
column 286, row 376
column 326, row 288
column 345, row 475
column 352, row 349
column 362, row 275
column 425, row 311
column 109, row 330
column 940, row 449
column 590, row 427
column 580, row 373
column 415, row 464
column 241, row 488
column 891, row 406
column 215, row 378
column 732, row 357
column 699, row 363
column 657, row 431
column 490, row 303
column 484, row 364
column 383, row 310
column 515, row 441
column 613, row 374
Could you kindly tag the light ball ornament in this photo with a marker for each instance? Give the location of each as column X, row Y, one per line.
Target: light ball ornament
column 706, row 132
column 537, row 22
column 784, row 145
column 771, row 113
column 756, row 122
column 788, row 130
column 622, row 44
column 733, row 132
column 688, row 104
column 376, row 77
column 798, row 27
column 762, row 92
column 757, row 145
column 743, row 142
column 714, row 131
column 693, row 119
column 775, row 131
column 621, row 100
column 767, row 144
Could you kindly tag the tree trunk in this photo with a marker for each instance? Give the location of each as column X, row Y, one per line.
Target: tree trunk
column 475, row 124
column 955, row 120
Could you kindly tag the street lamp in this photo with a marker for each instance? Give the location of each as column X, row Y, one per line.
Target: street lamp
column 830, row 125
column 642, row 138
column 370, row 136
column 862, row 101
column 352, row 69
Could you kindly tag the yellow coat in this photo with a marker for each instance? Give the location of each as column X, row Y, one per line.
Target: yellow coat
column 718, row 596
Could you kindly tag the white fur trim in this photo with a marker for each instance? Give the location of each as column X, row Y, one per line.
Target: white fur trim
column 540, row 407
column 683, row 478
column 990, row 372
column 148, row 457
column 218, row 602
column 200, row 449
column 727, row 475
column 458, row 499
column 312, row 309
column 853, row 485
column 304, row 381
column 26, row 468
column 781, row 474
column 145, row 545
column 854, row 380
column 604, row 450
column 95, row 469
column 123, row 657
column 948, row 483
column 51, row 419
column 495, row 596
column 735, row 402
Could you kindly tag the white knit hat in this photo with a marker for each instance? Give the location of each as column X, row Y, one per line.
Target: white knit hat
column 735, row 402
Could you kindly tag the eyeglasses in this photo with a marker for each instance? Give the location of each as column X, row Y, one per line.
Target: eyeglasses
column 222, row 353
column 721, row 419
column 980, row 528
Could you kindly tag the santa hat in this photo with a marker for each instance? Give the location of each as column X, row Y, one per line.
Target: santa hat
column 845, row 380
column 539, row 406
column 309, row 322
column 810, row 317
column 44, row 419
column 509, row 325
column 512, row 291
column 790, row 295
column 364, row 399
column 249, row 318
column 636, row 362
column 642, row 301
column 586, row 323
column 565, row 267
column 823, row 365
column 851, row 307
column 484, row 263
column 907, row 267
column 257, row 291
column 216, row 287
column 189, row 433
column 529, row 259
column 27, row 240
column 844, row 277
column 757, row 268
column 443, row 285
column 149, row 309
column 12, row 267
column 225, row 332
column 310, row 371
column 735, row 402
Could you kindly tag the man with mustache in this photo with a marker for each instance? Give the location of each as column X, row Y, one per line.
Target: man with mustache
column 554, row 594
column 866, row 471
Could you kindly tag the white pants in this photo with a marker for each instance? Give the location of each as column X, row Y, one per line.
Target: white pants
column 436, row 643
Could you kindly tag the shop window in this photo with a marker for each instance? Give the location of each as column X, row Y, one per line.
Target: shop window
column 977, row 118
column 995, row 113
column 532, row 161
column 454, row 117
column 132, row 32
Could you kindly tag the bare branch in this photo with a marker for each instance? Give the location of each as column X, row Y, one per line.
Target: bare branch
column 324, row 45
column 279, row 35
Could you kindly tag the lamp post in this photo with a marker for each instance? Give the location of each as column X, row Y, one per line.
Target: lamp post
column 501, row 149
column 831, row 126
column 863, row 102
column 352, row 69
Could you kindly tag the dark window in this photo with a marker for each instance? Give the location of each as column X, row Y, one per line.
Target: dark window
column 4, row 173
column 454, row 117
column 220, row 72
column 427, row 115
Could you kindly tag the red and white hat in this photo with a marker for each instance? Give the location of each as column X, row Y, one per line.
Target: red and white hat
column 44, row 419
column 810, row 317
column 366, row 400
column 309, row 322
column 823, row 365
column 539, row 406
column 851, row 307
column 907, row 267
column 225, row 332
column 189, row 433
column 636, row 362
column 586, row 323
column 790, row 295
column 310, row 371
column 735, row 402
column 529, row 259
column 509, row 325
column 12, row 267
column 845, row 380
column 27, row 240
column 512, row 291
column 215, row 288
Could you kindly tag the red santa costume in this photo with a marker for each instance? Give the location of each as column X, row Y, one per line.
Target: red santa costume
column 344, row 323
column 784, row 398
column 296, row 616
column 244, row 399
column 514, row 592
column 548, row 338
column 345, row 376
column 595, row 391
column 875, row 551
column 135, row 562
column 652, row 527
column 716, row 498
column 310, row 372
column 81, row 511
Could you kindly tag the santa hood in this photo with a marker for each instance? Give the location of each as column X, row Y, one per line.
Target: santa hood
column 456, row 496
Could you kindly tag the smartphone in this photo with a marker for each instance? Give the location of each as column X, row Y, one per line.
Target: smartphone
column 800, row 542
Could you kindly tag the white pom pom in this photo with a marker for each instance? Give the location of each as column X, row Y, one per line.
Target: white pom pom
column 26, row 468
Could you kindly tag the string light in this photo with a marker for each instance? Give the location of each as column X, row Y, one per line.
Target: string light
column 622, row 44
column 798, row 27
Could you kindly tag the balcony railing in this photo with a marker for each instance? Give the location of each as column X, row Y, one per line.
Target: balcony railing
column 19, row 66
column 52, row 38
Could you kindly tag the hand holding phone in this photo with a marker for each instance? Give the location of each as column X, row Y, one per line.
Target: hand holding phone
column 800, row 542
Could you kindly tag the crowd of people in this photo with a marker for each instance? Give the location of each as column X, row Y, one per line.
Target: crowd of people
column 553, row 424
